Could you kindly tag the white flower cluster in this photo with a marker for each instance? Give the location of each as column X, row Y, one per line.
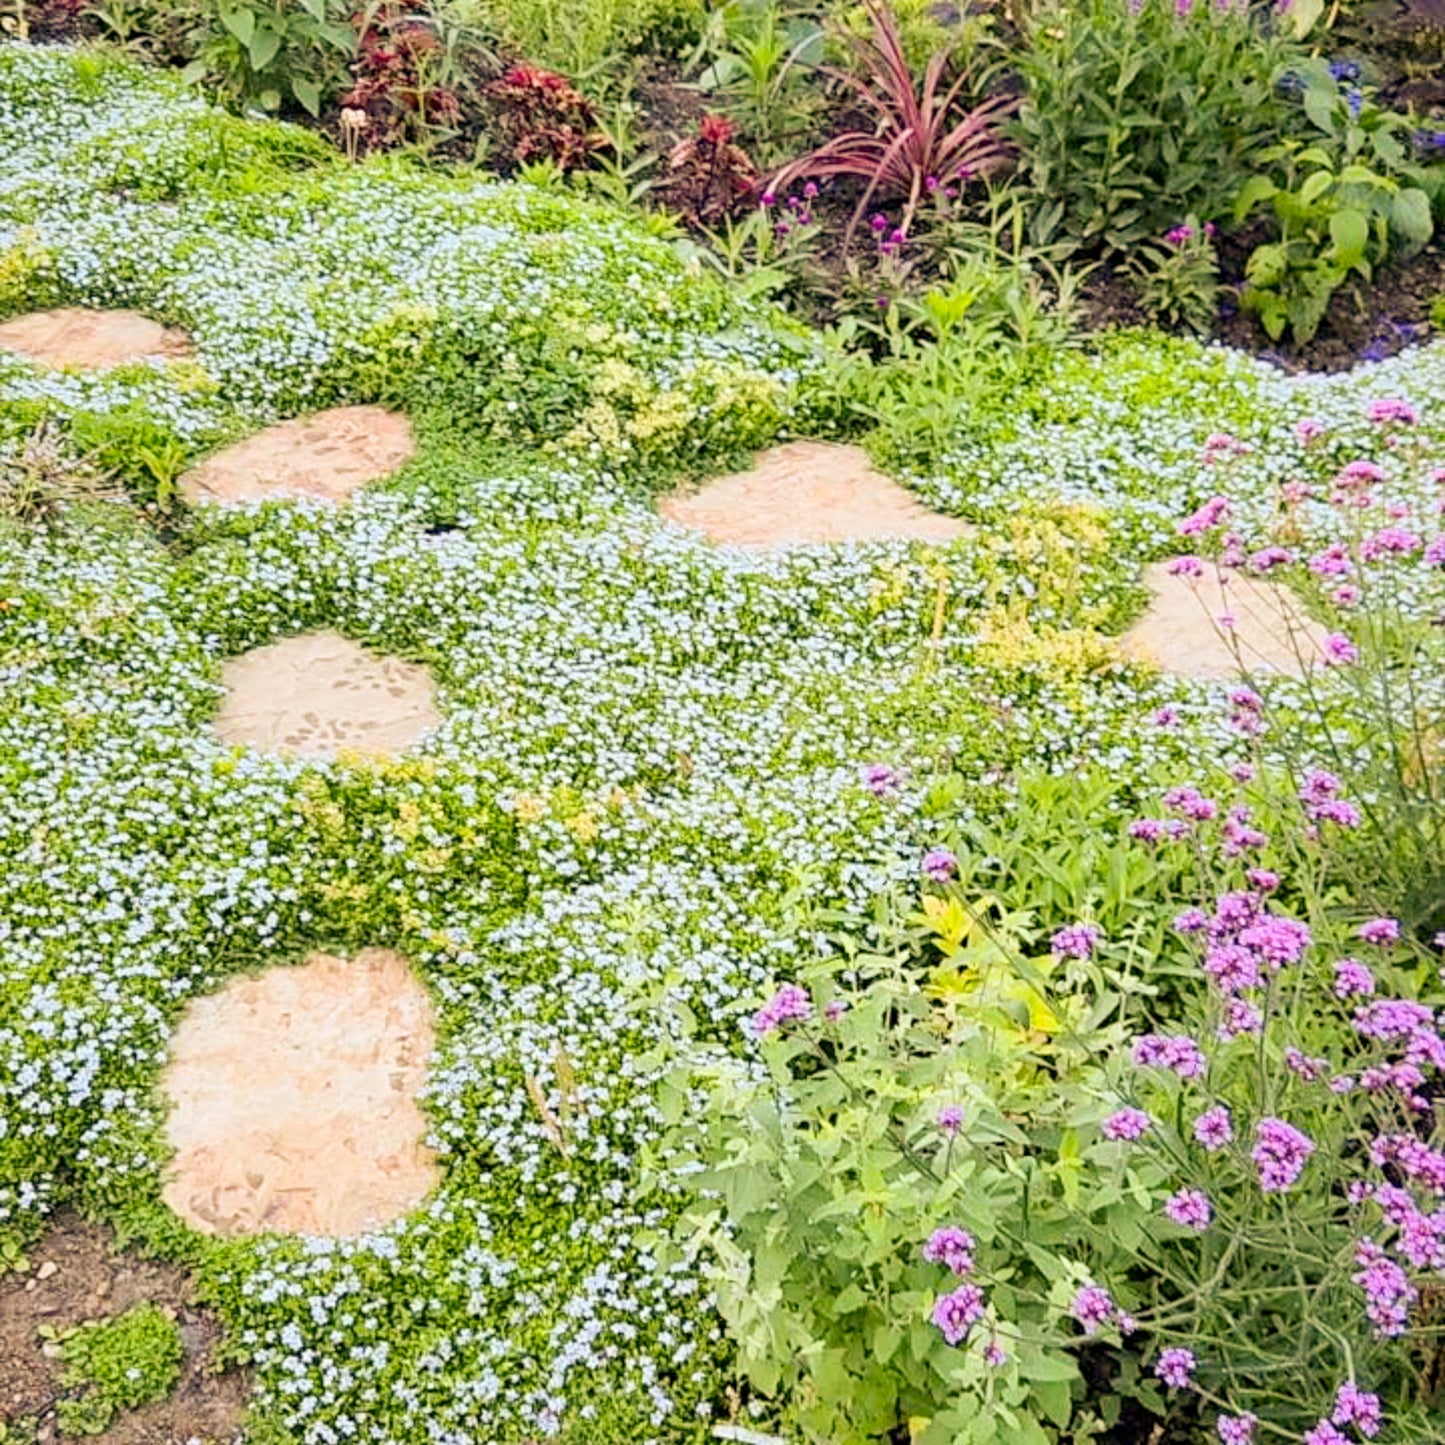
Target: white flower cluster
column 646, row 787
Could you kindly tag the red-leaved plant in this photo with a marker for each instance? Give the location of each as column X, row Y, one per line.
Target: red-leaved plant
column 540, row 115
column 919, row 135
column 708, row 173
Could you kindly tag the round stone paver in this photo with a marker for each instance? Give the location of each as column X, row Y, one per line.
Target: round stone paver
column 328, row 455
column 318, row 692
column 293, row 1098
column 1180, row 631
column 809, row 492
column 91, row 340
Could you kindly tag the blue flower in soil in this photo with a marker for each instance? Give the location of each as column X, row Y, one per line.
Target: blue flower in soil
column 1355, row 99
column 1345, row 69
column 1291, row 84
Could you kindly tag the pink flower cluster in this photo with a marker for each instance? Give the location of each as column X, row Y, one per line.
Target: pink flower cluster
column 790, row 1004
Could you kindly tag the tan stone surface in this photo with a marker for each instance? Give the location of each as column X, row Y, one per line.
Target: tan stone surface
column 293, row 1099
column 92, row 340
column 318, row 692
column 808, row 492
column 1180, row 632
column 329, row 455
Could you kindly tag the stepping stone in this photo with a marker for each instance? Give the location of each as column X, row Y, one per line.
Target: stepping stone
column 91, row 340
column 293, row 1097
column 805, row 493
column 1179, row 632
column 319, row 692
column 329, row 455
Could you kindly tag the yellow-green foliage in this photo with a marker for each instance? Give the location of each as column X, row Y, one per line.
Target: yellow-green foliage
column 22, row 271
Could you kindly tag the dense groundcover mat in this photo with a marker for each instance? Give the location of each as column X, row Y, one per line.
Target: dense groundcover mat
column 651, row 767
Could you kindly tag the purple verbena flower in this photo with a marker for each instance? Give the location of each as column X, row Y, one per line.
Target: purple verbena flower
column 791, row 1002
column 1280, row 1153
column 1076, row 940
column 1127, row 1124
column 1175, row 1052
column 1339, row 650
column 1353, row 979
column 1388, row 1291
column 881, row 780
column 939, row 865
column 950, row 1246
column 957, row 1313
column 1092, row 1307
column 1236, row 1429
column 1393, row 409
column 1190, row 1208
column 949, row 1120
column 1176, row 1367
column 1380, row 930
column 1214, row 1128
column 1357, row 1407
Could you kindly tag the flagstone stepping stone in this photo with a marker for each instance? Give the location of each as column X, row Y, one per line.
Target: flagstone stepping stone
column 808, row 492
column 318, row 692
column 329, row 454
column 293, row 1099
column 1180, row 633
column 91, row 340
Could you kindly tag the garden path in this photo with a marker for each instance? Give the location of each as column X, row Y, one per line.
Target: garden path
column 77, row 336
column 293, row 1096
column 1180, row 632
column 808, row 492
column 319, row 692
column 328, row 454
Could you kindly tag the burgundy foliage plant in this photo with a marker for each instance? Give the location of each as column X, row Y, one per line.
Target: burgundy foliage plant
column 539, row 115
column 708, row 173
column 921, row 133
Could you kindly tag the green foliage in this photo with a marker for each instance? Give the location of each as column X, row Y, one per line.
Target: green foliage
column 131, row 445
column 1340, row 206
column 756, row 57
column 823, row 1179
column 123, row 1362
column 589, row 40
column 1177, row 277
column 955, row 351
column 24, row 274
column 923, row 30
column 272, row 53
column 1135, row 117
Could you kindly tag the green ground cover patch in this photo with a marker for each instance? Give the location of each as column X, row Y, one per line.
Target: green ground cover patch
column 647, row 791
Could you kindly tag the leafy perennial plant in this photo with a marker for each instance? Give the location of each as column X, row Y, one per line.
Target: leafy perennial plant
column 667, row 774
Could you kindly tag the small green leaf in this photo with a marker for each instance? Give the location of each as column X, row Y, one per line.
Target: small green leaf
column 262, row 48
column 1350, row 232
column 241, row 24
column 1410, row 217
column 308, row 92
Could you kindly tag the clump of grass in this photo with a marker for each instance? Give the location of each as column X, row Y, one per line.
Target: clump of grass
column 122, row 1363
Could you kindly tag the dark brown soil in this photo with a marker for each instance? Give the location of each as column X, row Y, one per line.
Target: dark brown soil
column 1364, row 323
column 75, row 1276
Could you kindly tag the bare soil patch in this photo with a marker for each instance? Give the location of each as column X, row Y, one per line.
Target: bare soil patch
column 76, row 1276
